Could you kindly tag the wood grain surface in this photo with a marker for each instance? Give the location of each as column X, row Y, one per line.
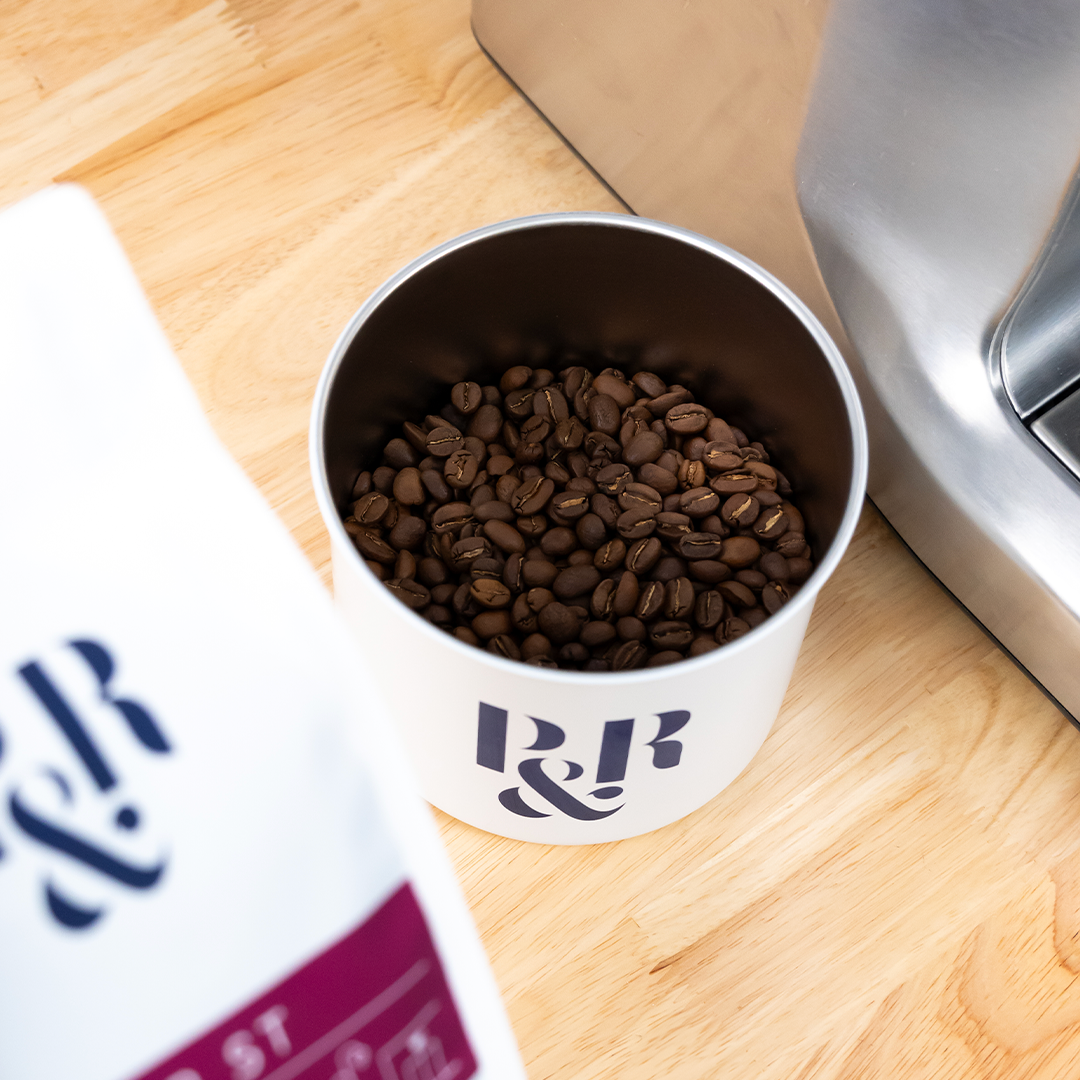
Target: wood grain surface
column 892, row 888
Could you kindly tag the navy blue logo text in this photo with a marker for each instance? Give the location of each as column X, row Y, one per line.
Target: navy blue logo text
column 540, row 773
column 60, row 839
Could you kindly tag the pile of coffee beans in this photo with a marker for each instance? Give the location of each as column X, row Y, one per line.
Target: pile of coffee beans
column 590, row 522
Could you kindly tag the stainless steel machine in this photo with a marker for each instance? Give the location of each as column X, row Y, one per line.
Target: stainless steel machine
column 907, row 168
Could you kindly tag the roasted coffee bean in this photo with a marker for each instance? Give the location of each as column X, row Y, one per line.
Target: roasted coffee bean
column 408, row 534
column 699, row 502
column 662, row 403
column 568, row 506
column 679, row 598
column 596, row 634
column 740, row 511
column 591, row 532
column 535, row 645
column 361, row 485
column 504, row 536
column 774, row 566
column 720, row 457
column 435, row 485
column 671, row 634
column 375, row 549
column 550, row 403
column 642, row 555
column 494, row 510
column 490, row 593
column 538, row 573
column 650, row 384
column 631, row 628
column 735, row 592
column 573, row 653
column 791, row 544
column 371, row 509
column 574, row 379
column 731, row 629
column 411, row 593
column 499, row 464
column 709, row 609
column 569, row 434
column 699, row 545
column 799, row 570
column 627, row 591
column 616, row 388
column 460, row 469
column 581, row 483
column 643, row 448
column 504, row 645
column 466, row 397
column 575, row 581
column 452, row 517
column 691, row 474
column 603, row 414
column 559, row 623
column 443, row 441
column 738, row 481
column 774, row 596
column 713, row 524
column 612, row 479
column 708, row 571
column 673, row 526
column 485, row 424
column 557, row 543
column 605, row 508
column 636, row 524
column 523, row 616
column 382, row 479
column 511, row 574
column 536, row 429
column 432, row 572
column 629, row 655
column 532, row 495
column 532, row 526
column 602, row 601
column 771, row 523
column 465, row 552
column 640, row 496
column 658, row 478
column 610, row 555
column 795, row 521
column 766, row 474
column 740, row 551
column 400, row 454
column 687, row 419
column 650, row 600
column 752, row 579
column 668, row 568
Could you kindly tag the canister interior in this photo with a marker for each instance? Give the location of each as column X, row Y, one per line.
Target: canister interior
column 557, row 292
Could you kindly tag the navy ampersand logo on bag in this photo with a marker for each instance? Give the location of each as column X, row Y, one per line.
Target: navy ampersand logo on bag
column 546, row 777
column 67, row 844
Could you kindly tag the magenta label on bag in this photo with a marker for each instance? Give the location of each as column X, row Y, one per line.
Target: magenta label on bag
column 374, row 1006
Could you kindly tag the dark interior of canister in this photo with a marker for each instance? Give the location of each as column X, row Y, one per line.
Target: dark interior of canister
column 599, row 295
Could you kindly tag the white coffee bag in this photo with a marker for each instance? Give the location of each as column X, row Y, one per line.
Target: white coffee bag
column 213, row 862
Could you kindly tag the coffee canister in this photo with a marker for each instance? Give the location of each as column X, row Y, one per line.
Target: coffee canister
column 570, row 757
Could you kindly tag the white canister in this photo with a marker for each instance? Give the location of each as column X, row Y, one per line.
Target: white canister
column 570, row 757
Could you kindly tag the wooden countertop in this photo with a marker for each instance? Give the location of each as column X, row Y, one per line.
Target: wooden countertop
column 892, row 888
